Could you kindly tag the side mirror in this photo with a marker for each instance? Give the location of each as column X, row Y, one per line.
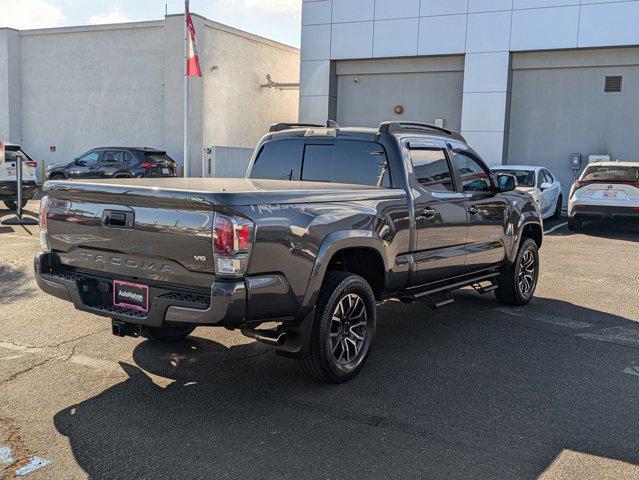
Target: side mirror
column 545, row 186
column 507, row 183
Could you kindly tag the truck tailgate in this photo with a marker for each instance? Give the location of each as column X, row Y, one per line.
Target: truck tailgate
column 163, row 238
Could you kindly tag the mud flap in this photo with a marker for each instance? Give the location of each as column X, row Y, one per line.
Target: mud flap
column 299, row 338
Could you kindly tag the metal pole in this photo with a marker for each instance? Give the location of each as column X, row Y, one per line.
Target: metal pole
column 187, row 162
column 19, row 185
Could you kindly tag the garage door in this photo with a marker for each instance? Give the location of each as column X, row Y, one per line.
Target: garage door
column 574, row 102
column 426, row 88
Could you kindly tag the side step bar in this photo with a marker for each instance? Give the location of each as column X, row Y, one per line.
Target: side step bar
column 440, row 296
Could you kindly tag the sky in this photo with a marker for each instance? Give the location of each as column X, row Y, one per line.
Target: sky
column 275, row 19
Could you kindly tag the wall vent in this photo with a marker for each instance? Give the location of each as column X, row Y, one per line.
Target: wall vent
column 613, row 84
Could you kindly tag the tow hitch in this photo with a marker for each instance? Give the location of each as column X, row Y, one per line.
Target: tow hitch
column 124, row 329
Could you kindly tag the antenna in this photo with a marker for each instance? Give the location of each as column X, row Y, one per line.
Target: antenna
column 166, row 9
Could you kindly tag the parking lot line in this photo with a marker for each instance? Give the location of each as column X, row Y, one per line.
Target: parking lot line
column 628, row 337
column 544, row 317
column 556, row 227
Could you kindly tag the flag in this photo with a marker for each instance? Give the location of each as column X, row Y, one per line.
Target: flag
column 192, row 60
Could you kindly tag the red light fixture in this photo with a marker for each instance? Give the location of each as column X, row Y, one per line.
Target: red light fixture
column 398, row 109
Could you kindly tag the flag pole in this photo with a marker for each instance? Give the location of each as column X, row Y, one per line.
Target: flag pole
column 187, row 162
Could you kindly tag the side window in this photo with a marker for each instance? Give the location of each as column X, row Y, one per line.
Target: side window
column 474, row 176
column 90, row 158
column 279, row 160
column 111, row 156
column 548, row 176
column 432, row 170
column 127, row 157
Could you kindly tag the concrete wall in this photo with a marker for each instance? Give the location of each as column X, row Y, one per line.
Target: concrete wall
column 486, row 31
column 237, row 110
column 78, row 88
column 559, row 107
column 427, row 88
column 10, row 118
column 83, row 88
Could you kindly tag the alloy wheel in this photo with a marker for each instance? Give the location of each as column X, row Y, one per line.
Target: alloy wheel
column 349, row 325
column 526, row 280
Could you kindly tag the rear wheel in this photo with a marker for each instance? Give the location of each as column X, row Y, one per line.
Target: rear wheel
column 574, row 224
column 518, row 281
column 13, row 205
column 557, row 213
column 343, row 328
column 166, row 334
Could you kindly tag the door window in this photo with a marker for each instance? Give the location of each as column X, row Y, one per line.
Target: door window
column 474, row 176
column 113, row 156
column 90, row 158
column 432, row 170
column 548, row 178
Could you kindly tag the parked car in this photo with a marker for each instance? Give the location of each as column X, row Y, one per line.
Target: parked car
column 540, row 184
column 328, row 222
column 115, row 162
column 605, row 191
column 8, row 185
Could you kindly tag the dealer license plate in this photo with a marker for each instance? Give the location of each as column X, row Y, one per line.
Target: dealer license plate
column 610, row 194
column 131, row 295
column 166, row 171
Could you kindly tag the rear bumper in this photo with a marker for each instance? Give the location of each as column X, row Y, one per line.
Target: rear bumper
column 8, row 190
column 225, row 307
column 601, row 212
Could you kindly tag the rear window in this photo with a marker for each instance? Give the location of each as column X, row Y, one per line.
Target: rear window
column 346, row 161
column 156, row 157
column 525, row 178
column 611, row 174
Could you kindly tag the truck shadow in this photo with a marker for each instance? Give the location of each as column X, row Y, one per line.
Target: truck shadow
column 466, row 392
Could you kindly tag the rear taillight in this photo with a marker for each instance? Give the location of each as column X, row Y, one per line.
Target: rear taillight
column 44, row 203
column 31, row 163
column 146, row 165
column 232, row 242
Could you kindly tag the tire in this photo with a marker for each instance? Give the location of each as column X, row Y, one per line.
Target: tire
column 516, row 286
column 122, row 175
column 13, row 205
column 166, row 334
column 557, row 214
column 336, row 336
column 57, row 176
column 574, row 224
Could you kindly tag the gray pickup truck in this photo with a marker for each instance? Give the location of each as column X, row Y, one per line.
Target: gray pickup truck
column 328, row 222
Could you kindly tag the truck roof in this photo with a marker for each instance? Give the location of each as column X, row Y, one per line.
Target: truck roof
column 284, row 130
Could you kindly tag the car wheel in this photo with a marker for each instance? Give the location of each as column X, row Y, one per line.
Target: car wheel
column 343, row 328
column 166, row 334
column 557, row 213
column 13, row 205
column 517, row 282
column 574, row 224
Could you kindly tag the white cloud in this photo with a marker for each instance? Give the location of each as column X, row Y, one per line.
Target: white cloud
column 114, row 16
column 26, row 14
column 275, row 5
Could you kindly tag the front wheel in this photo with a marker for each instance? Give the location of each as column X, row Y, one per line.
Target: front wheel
column 517, row 282
column 13, row 205
column 166, row 334
column 343, row 328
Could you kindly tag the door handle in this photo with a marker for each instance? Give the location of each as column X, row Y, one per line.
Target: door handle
column 428, row 212
column 473, row 210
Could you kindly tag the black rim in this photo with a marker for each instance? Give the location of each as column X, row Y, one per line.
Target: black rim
column 349, row 328
column 527, row 273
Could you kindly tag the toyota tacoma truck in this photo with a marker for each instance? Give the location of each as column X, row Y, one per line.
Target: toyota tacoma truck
column 328, row 222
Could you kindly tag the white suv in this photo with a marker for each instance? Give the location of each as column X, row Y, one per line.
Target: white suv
column 8, row 167
column 605, row 191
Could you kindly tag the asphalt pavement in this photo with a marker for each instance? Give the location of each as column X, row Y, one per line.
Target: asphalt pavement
column 473, row 390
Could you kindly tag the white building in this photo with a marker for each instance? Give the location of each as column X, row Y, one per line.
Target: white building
column 66, row 90
column 525, row 81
